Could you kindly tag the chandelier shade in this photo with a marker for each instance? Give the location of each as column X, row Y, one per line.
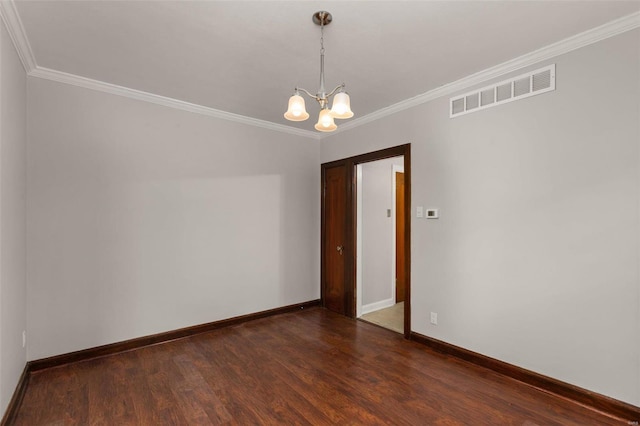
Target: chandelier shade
column 297, row 110
column 325, row 121
column 341, row 107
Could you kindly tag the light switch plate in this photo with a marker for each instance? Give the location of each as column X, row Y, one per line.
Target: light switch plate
column 420, row 211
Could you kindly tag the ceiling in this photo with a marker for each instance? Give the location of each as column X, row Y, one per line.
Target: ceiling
column 246, row 57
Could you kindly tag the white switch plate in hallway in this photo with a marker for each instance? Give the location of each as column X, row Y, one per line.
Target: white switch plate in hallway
column 434, row 318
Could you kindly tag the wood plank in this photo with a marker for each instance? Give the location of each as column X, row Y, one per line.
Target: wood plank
column 309, row 367
column 555, row 387
column 141, row 342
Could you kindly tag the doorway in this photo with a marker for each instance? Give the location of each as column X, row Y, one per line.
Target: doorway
column 340, row 258
column 379, row 248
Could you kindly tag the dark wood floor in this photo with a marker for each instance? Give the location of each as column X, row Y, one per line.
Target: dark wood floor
column 309, row 367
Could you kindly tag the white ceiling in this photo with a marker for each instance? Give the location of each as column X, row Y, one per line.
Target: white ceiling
column 246, row 57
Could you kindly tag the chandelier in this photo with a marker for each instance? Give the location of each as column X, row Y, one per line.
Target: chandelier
column 340, row 109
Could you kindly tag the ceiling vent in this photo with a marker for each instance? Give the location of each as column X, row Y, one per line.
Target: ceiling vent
column 520, row 87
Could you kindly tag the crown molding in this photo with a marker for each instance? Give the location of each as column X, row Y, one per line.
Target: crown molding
column 14, row 26
column 10, row 16
column 594, row 35
column 87, row 83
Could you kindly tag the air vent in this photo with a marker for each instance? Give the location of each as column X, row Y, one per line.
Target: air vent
column 487, row 97
column 504, row 92
column 457, row 106
column 542, row 80
column 472, row 101
column 520, row 87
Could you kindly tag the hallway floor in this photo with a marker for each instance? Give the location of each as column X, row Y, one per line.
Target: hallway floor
column 391, row 318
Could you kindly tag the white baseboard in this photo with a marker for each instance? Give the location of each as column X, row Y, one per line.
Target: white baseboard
column 376, row 306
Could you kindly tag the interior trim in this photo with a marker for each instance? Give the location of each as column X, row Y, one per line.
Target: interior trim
column 128, row 345
column 100, row 86
column 18, row 35
column 12, row 409
column 16, row 31
column 594, row 35
column 140, row 342
column 351, row 243
column 606, row 405
column 595, row 401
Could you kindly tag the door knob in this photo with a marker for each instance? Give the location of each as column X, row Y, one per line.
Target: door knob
column 340, row 248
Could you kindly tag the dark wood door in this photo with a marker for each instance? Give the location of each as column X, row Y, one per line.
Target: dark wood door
column 335, row 238
column 400, row 246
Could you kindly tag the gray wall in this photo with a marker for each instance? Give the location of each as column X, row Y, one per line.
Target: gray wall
column 143, row 219
column 535, row 259
column 378, row 233
column 13, row 309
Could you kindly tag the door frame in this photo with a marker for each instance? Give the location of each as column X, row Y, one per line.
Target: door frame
column 350, row 253
column 394, row 213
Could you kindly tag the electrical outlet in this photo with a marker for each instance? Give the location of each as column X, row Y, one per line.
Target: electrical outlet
column 434, row 318
column 24, row 338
